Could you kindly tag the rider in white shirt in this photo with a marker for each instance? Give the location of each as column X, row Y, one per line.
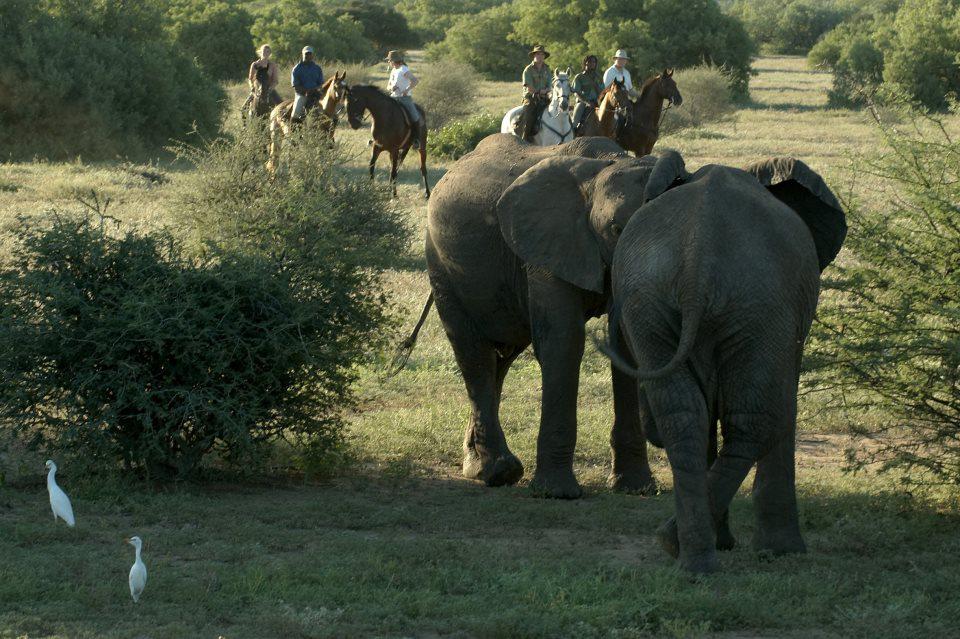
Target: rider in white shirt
column 619, row 71
column 400, row 85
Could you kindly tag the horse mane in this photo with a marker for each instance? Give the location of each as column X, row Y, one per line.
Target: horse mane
column 371, row 87
column 326, row 84
column 647, row 85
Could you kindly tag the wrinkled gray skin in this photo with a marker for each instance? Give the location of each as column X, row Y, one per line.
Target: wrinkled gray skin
column 715, row 284
column 519, row 242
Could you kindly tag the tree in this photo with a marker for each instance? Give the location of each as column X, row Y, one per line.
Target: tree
column 485, row 42
column 216, row 34
column 431, row 19
column 887, row 342
column 922, row 61
column 289, row 25
column 382, row 25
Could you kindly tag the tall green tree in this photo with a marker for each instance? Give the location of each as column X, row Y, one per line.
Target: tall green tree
column 289, row 25
column 923, row 60
column 216, row 33
column 485, row 42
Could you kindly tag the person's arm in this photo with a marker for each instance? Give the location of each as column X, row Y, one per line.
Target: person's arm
column 320, row 81
column 414, row 80
column 528, row 81
column 251, row 74
column 607, row 78
column 578, row 86
column 627, row 82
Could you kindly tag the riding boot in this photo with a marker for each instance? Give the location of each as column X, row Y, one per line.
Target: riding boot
column 416, row 129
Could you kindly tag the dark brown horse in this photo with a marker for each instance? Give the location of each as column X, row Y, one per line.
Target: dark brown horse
column 643, row 118
column 327, row 99
column 391, row 130
column 601, row 121
column 262, row 101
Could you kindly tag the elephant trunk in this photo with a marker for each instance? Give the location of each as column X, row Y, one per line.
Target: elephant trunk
column 406, row 347
column 690, row 324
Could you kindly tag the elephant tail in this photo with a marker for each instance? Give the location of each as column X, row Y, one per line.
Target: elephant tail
column 406, row 346
column 688, row 336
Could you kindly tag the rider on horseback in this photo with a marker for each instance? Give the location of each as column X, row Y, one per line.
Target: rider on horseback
column 400, row 86
column 536, row 92
column 587, row 85
column 306, row 78
column 618, row 71
column 258, row 66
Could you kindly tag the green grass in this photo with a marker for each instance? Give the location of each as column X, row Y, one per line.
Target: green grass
column 401, row 546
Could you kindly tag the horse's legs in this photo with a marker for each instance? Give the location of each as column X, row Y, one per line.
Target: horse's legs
column 394, row 167
column 423, row 165
column 274, row 148
column 377, row 150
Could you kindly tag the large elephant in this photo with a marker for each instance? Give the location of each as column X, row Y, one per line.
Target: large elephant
column 518, row 246
column 715, row 283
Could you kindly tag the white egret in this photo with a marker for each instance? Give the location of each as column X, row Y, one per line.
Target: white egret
column 138, row 572
column 59, row 501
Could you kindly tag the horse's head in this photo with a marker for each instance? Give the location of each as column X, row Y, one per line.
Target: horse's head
column 356, row 105
column 337, row 89
column 667, row 88
column 618, row 95
column 560, row 99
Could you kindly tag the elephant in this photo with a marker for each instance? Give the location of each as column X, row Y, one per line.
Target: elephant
column 715, row 282
column 518, row 246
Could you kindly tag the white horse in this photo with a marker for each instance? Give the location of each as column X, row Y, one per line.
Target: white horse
column 555, row 124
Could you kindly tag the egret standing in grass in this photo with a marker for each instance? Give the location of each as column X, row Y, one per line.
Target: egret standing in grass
column 59, row 501
column 138, row 572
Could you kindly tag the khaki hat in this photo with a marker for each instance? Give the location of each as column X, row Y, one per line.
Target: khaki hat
column 540, row 49
column 394, row 56
column 621, row 53
column 306, row 50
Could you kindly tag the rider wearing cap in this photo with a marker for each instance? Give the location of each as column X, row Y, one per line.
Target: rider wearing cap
column 306, row 78
column 587, row 86
column 536, row 92
column 400, row 85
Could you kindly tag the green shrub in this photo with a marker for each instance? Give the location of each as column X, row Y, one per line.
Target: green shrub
column 706, row 99
column 484, row 41
column 289, row 25
column 430, row 19
column 66, row 89
column 214, row 32
column 923, row 59
column 886, row 341
column 447, row 92
column 459, row 138
column 789, row 26
column 382, row 24
column 119, row 347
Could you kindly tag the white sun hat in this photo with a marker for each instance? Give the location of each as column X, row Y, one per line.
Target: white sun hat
column 621, row 53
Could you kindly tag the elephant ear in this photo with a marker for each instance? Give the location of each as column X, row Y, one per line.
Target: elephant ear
column 669, row 171
column 545, row 219
column 803, row 190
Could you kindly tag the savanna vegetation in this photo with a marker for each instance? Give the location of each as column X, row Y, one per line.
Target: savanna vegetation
column 189, row 318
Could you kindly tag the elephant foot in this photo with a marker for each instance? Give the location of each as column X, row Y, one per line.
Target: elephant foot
column 555, row 484
column 700, row 563
column 504, row 470
column 669, row 538
column 780, row 542
column 636, row 482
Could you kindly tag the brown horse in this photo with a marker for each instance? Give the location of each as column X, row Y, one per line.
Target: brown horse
column 327, row 98
column 642, row 127
column 601, row 121
column 391, row 130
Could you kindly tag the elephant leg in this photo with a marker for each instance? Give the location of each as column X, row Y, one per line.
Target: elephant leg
column 725, row 538
column 681, row 416
column 557, row 328
column 775, row 498
column 478, row 463
column 630, row 471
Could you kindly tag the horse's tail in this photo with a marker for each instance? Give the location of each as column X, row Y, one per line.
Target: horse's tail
column 406, row 346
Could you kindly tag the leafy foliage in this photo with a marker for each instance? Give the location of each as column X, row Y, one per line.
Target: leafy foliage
column 289, row 25
column 461, row 137
column 64, row 90
column 484, row 42
column 382, row 24
column 791, row 26
column 216, row 34
column 889, row 342
column 430, row 19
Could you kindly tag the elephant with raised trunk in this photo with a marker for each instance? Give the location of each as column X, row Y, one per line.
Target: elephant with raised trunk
column 715, row 283
column 519, row 243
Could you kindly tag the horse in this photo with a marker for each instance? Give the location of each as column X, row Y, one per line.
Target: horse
column 391, row 129
column 327, row 98
column 642, row 128
column 602, row 121
column 555, row 124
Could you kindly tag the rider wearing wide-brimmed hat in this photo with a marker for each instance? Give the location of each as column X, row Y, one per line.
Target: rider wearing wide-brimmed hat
column 536, row 91
column 587, row 86
column 400, row 86
column 618, row 71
